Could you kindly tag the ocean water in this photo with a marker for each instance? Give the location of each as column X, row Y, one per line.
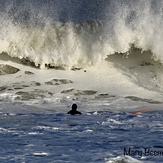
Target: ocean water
column 105, row 56
column 35, row 135
column 72, row 33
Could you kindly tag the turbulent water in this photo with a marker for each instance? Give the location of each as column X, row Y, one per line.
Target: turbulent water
column 72, row 33
column 104, row 55
column 35, row 135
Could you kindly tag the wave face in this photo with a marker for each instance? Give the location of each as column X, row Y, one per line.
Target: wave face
column 72, row 33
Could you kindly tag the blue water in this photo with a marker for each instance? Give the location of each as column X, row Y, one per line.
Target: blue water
column 62, row 33
column 50, row 136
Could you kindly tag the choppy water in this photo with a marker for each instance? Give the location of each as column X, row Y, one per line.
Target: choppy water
column 50, row 136
column 72, row 35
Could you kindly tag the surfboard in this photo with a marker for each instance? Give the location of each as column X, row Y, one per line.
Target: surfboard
column 139, row 111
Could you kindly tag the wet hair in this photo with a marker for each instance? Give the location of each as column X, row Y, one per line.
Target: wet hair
column 74, row 107
column 74, row 111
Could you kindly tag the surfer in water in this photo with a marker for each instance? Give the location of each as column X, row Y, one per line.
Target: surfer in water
column 74, row 111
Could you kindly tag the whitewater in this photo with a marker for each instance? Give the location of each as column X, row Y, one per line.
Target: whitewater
column 105, row 56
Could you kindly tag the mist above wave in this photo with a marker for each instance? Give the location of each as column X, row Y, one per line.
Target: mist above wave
column 41, row 35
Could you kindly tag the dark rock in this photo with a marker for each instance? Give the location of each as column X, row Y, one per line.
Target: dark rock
column 79, row 92
column 18, row 88
column 85, row 92
column 67, row 91
column 25, row 96
column 7, row 69
column 9, row 89
column 76, row 68
column 35, row 83
column 58, row 82
column 146, row 64
column 104, row 95
column 143, row 100
column 27, row 61
column 38, row 91
column 50, row 66
column 28, row 73
column 89, row 92
column 3, row 88
column 24, row 86
column 49, row 93
column 19, row 85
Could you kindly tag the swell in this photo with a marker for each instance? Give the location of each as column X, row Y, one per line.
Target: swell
column 43, row 40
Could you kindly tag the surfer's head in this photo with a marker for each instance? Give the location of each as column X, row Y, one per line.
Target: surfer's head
column 74, row 107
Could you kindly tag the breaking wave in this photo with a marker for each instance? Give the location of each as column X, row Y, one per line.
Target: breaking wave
column 50, row 33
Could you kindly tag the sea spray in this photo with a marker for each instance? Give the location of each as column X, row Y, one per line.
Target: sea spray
column 39, row 34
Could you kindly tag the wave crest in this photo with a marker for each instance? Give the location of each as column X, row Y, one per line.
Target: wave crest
column 69, row 44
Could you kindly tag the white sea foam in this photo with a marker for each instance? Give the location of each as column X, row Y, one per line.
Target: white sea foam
column 83, row 44
column 120, row 159
column 117, row 51
column 41, row 154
